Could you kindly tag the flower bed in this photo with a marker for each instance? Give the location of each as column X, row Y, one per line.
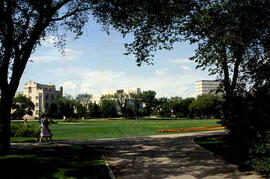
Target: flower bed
column 204, row 128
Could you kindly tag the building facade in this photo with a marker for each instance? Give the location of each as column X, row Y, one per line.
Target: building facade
column 126, row 91
column 42, row 95
column 206, row 86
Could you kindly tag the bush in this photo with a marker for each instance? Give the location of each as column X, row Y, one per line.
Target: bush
column 247, row 119
column 71, row 120
column 20, row 130
column 260, row 156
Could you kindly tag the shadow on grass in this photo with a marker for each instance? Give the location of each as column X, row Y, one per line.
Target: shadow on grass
column 221, row 146
column 53, row 162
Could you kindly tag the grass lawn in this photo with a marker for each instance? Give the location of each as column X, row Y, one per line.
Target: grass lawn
column 97, row 129
column 53, row 162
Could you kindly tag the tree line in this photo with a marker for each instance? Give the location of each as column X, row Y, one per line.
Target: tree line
column 124, row 105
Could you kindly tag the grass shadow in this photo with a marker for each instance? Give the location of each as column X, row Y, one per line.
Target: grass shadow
column 221, row 146
column 53, row 162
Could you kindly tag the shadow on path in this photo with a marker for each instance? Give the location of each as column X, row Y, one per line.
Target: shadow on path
column 169, row 156
column 165, row 157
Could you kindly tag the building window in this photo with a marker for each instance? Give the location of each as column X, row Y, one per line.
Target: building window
column 36, row 104
column 36, row 97
column 46, row 105
column 52, row 96
column 30, row 97
column 47, row 97
column 29, row 90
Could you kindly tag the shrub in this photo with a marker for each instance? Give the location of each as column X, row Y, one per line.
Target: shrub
column 260, row 156
column 71, row 120
column 20, row 130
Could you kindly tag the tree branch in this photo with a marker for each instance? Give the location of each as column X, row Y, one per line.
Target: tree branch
column 70, row 14
column 61, row 4
column 22, row 57
column 25, row 26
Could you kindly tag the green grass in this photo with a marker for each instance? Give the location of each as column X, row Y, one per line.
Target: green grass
column 95, row 129
column 53, row 162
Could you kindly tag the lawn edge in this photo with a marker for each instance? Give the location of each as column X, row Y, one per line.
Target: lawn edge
column 111, row 174
column 204, row 149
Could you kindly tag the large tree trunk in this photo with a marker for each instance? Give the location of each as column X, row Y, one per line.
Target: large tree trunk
column 6, row 101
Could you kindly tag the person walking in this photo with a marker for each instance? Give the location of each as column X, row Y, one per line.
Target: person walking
column 45, row 130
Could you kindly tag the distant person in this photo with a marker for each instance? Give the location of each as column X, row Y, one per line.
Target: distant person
column 64, row 118
column 45, row 130
column 25, row 121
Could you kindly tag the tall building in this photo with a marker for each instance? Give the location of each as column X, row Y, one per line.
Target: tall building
column 42, row 95
column 206, row 86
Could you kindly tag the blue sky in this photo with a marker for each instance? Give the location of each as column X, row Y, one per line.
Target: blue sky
column 95, row 62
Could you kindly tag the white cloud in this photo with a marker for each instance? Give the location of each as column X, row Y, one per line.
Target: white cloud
column 184, row 67
column 43, row 59
column 71, row 54
column 102, row 76
column 161, row 72
column 84, row 80
column 183, row 60
column 55, row 56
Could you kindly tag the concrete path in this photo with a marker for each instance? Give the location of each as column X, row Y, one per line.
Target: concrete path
column 162, row 156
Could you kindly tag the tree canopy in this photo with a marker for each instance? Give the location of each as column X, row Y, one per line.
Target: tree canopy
column 229, row 33
column 22, row 106
column 149, row 100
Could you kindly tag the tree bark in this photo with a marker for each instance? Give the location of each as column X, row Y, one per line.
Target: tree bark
column 5, row 104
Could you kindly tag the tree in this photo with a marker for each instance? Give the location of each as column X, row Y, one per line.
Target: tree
column 24, row 23
column 149, row 100
column 53, row 112
column 22, row 106
column 163, row 107
column 108, row 107
column 176, row 106
column 80, row 110
column 94, row 110
column 82, row 102
column 65, row 106
column 185, row 105
column 136, row 103
column 84, row 99
column 121, row 100
column 206, row 106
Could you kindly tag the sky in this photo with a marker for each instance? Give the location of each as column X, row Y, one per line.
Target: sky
column 95, row 62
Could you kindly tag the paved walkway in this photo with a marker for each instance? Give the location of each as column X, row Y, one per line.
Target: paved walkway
column 162, row 156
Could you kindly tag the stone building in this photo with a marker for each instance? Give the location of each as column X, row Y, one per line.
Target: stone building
column 42, row 95
column 206, row 86
column 126, row 91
